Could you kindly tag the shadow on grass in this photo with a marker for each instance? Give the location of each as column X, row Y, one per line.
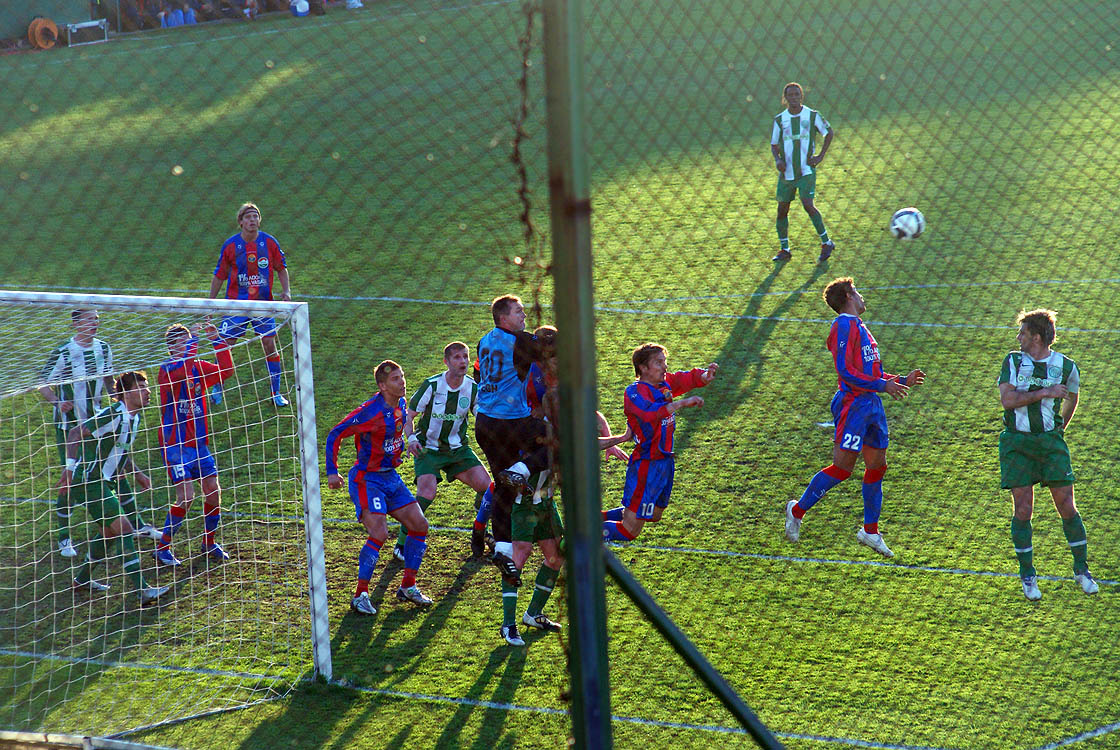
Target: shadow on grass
column 741, row 360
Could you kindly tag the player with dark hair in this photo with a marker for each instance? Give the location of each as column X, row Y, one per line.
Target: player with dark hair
column 857, row 410
column 1038, row 388
column 105, row 440
column 510, row 437
column 247, row 262
column 184, row 435
column 651, row 418
column 81, row 366
column 535, row 518
column 792, row 141
column 439, row 411
column 381, row 428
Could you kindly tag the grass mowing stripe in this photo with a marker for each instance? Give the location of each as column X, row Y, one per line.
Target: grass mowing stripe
column 690, row 550
column 139, row 665
column 606, row 308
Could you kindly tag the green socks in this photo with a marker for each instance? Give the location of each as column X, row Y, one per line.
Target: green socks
column 1078, row 545
column 132, row 561
column 509, row 604
column 424, row 502
column 783, row 232
column 818, row 224
column 1021, row 538
column 62, row 512
column 546, row 581
column 98, row 548
column 128, row 508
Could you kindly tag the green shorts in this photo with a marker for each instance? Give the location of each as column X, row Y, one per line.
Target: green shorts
column 806, row 185
column 532, row 523
column 100, row 501
column 451, row 463
column 1030, row 458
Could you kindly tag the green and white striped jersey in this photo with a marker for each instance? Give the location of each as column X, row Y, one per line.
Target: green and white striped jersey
column 797, row 134
column 114, row 429
column 1028, row 375
column 441, row 413
column 77, row 374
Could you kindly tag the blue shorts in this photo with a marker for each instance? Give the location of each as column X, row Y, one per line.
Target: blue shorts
column 379, row 492
column 860, row 421
column 185, row 463
column 234, row 327
column 648, row 485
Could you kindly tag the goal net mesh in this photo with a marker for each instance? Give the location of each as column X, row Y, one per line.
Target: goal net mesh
column 226, row 633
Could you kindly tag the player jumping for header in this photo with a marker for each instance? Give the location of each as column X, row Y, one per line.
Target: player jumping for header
column 857, row 410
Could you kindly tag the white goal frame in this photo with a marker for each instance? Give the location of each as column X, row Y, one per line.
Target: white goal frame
column 298, row 317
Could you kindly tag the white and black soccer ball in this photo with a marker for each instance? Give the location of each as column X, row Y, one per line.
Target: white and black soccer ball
column 299, row 8
column 907, row 223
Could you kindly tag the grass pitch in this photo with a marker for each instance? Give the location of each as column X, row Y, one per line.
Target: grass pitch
column 377, row 143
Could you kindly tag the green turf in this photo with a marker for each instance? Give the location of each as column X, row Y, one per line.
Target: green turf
column 377, row 144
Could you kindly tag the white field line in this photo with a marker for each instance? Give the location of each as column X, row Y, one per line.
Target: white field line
column 599, row 308
column 893, row 287
column 685, row 550
column 141, row 665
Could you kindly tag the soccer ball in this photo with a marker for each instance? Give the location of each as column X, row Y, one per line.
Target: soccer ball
column 299, row 8
column 907, row 223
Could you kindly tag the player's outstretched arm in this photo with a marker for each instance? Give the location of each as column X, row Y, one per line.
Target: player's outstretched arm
column 607, row 442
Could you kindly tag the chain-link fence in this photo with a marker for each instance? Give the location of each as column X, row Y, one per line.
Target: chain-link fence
column 398, row 154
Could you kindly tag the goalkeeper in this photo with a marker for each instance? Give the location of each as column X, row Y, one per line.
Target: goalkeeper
column 105, row 440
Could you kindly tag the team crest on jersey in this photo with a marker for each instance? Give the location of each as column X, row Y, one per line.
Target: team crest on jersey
column 1054, row 372
column 252, row 258
column 464, row 402
column 397, row 413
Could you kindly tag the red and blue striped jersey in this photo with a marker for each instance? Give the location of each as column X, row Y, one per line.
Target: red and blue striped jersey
column 249, row 266
column 647, row 412
column 856, row 355
column 378, row 431
column 182, row 397
column 535, row 387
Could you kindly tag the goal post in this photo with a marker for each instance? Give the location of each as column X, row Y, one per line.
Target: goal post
column 228, row 632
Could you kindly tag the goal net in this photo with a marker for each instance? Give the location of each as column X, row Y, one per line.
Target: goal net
column 228, row 631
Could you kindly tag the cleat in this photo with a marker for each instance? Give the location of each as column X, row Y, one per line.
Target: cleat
column 66, row 548
column 398, row 552
column 216, row 394
column 509, row 571
column 216, row 552
column 793, row 523
column 540, row 622
column 151, row 594
column 514, row 480
column 413, row 594
column 478, row 544
column 279, row 400
column 513, row 638
column 149, row 531
column 361, row 604
column 90, row 586
column 492, row 543
column 782, row 256
column 1085, row 580
column 353, row 4
column 826, row 251
column 875, row 542
column 1030, row 588
column 166, row 558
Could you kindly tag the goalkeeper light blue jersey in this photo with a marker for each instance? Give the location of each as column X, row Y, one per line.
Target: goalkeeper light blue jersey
column 501, row 391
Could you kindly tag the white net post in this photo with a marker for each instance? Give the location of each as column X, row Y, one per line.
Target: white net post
column 312, row 503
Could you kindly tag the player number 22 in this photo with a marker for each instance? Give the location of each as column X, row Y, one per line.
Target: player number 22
column 851, row 442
